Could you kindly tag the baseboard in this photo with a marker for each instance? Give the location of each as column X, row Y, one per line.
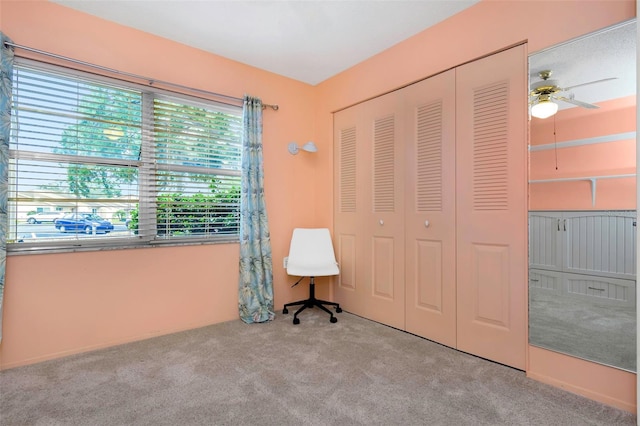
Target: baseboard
column 623, row 405
column 601, row 383
column 90, row 348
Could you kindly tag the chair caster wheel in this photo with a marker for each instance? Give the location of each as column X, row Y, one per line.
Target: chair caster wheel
column 285, row 311
column 333, row 319
column 296, row 321
column 338, row 309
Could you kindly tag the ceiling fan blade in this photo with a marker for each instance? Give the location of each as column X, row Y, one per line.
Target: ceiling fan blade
column 578, row 103
column 591, row 82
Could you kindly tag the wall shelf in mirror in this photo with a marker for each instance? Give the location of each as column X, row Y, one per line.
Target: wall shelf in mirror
column 587, row 141
column 592, row 179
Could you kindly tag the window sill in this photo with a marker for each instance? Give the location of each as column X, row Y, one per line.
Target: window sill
column 18, row 250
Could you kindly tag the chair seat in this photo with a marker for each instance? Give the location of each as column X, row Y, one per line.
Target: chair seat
column 312, row 270
column 311, row 255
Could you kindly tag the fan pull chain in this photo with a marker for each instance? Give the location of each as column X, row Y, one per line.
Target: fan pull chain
column 555, row 141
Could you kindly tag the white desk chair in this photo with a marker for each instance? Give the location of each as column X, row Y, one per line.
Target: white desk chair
column 311, row 255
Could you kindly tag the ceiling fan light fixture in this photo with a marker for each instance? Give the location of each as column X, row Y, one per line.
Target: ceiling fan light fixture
column 544, row 109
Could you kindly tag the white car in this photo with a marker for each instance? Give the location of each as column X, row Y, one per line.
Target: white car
column 44, row 217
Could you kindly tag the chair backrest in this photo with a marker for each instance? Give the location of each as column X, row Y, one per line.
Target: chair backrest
column 311, row 253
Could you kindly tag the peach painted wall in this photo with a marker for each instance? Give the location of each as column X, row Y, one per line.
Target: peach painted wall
column 60, row 304
column 601, row 159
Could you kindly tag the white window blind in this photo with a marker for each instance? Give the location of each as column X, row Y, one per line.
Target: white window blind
column 106, row 163
column 197, row 176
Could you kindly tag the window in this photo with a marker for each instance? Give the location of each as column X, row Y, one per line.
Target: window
column 115, row 164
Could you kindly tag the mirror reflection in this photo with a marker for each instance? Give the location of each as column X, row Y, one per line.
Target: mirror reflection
column 582, row 198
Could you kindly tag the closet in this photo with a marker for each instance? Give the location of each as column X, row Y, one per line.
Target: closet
column 430, row 207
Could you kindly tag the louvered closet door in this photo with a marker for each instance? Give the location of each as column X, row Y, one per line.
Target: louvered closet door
column 348, row 227
column 430, row 209
column 383, row 251
column 491, row 185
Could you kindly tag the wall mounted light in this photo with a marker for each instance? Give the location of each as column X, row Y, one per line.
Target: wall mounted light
column 309, row 147
column 544, row 108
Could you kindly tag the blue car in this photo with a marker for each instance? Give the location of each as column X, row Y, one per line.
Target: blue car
column 83, row 222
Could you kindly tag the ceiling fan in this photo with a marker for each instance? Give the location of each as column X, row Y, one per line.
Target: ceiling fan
column 545, row 91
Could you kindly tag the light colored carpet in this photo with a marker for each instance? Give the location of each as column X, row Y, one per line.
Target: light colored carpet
column 583, row 327
column 354, row 372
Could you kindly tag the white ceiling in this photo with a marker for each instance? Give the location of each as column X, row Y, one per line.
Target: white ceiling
column 307, row 40
column 603, row 54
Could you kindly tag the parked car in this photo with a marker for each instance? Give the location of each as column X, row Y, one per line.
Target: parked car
column 83, row 222
column 44, row 217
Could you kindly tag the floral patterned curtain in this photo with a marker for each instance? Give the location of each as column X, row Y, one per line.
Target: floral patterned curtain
column 256, row 266
column 6, row 75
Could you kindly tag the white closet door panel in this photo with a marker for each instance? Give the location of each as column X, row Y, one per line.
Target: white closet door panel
column 601, row 243
column 491, row 187
column 546, row 233
column 602, row 290
column 549, row 281
column 429, row 111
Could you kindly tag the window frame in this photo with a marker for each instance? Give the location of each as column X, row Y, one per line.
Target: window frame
column 146, row 166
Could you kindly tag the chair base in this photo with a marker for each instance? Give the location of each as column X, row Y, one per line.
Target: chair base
column 310, row 303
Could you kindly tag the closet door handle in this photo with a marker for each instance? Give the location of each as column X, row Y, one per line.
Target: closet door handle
column 426, row 223
column 381, row 222
column 565, row 224
column 558, row 224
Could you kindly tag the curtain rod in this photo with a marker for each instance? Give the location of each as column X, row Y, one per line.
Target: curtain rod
column 150, row 81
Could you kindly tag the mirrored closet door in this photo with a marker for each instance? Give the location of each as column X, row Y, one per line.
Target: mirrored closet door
column 582, row 198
